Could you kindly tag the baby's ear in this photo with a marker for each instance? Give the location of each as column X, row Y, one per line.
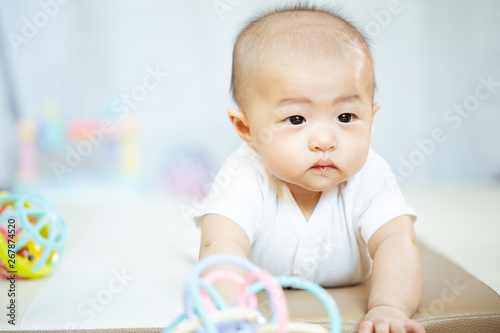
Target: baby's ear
column 376, row 107
column 240, row 122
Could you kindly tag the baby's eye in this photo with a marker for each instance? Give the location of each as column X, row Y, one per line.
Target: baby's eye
column 296, row 120
column 346, row 117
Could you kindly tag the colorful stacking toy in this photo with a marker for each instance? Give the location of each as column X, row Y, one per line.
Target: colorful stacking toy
column 206, row 310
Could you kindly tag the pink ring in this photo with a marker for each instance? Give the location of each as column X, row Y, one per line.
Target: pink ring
column 220, row 274
column 274, row 291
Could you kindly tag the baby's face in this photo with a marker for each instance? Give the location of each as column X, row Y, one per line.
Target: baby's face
column 310, row 122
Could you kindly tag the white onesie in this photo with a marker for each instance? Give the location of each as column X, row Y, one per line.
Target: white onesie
column 329, row 248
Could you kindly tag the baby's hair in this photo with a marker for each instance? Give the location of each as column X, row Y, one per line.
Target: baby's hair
column 349, row 42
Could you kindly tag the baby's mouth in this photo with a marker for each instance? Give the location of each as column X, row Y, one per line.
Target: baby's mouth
column 324, row 165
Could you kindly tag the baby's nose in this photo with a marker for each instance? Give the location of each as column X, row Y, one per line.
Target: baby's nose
column 322, row 139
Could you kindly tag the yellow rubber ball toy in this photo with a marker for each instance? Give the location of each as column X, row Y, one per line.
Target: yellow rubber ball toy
column 32, row 235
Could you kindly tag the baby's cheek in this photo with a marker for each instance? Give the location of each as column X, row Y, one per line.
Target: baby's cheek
column 280, row 163
column 353, row 150
column 358, row 158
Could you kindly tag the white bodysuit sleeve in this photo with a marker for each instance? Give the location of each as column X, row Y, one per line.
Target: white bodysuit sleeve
column 379, row 198
column 236, row 192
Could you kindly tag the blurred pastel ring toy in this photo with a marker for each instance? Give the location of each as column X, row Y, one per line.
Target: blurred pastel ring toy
column 207, row 312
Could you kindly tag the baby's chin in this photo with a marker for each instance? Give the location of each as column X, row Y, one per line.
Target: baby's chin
column 322, row 188
column 315, row 186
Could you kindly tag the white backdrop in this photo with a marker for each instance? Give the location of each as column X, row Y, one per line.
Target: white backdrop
column 431, row 59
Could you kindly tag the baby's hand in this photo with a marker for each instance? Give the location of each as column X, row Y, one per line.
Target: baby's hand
column 385, row 319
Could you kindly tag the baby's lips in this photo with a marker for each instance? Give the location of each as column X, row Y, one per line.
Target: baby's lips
column 324, row 163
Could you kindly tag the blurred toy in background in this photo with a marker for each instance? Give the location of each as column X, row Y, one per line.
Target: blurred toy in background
column 51, row 148
column 27, row 131
column 52, row 131
column 189, row 171
column 32, row 235
column 130, row 167
column 206, row 310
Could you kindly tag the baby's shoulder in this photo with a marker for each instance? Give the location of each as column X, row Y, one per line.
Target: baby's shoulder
column 244, row 161
column 245, row 169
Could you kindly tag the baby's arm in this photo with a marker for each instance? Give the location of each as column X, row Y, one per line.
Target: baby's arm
column 220, row 235
column 396, row 279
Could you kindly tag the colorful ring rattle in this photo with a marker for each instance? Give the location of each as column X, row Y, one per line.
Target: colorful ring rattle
column 32, row 235
column 207, row 312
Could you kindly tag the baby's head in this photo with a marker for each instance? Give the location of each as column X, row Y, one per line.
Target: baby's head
column 303, row 80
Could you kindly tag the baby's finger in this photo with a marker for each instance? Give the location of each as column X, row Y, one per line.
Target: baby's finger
column 365, row 327
column 397, row 328
column 382, row 326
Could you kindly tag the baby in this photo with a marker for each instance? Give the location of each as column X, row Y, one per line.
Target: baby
column 307, row 196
